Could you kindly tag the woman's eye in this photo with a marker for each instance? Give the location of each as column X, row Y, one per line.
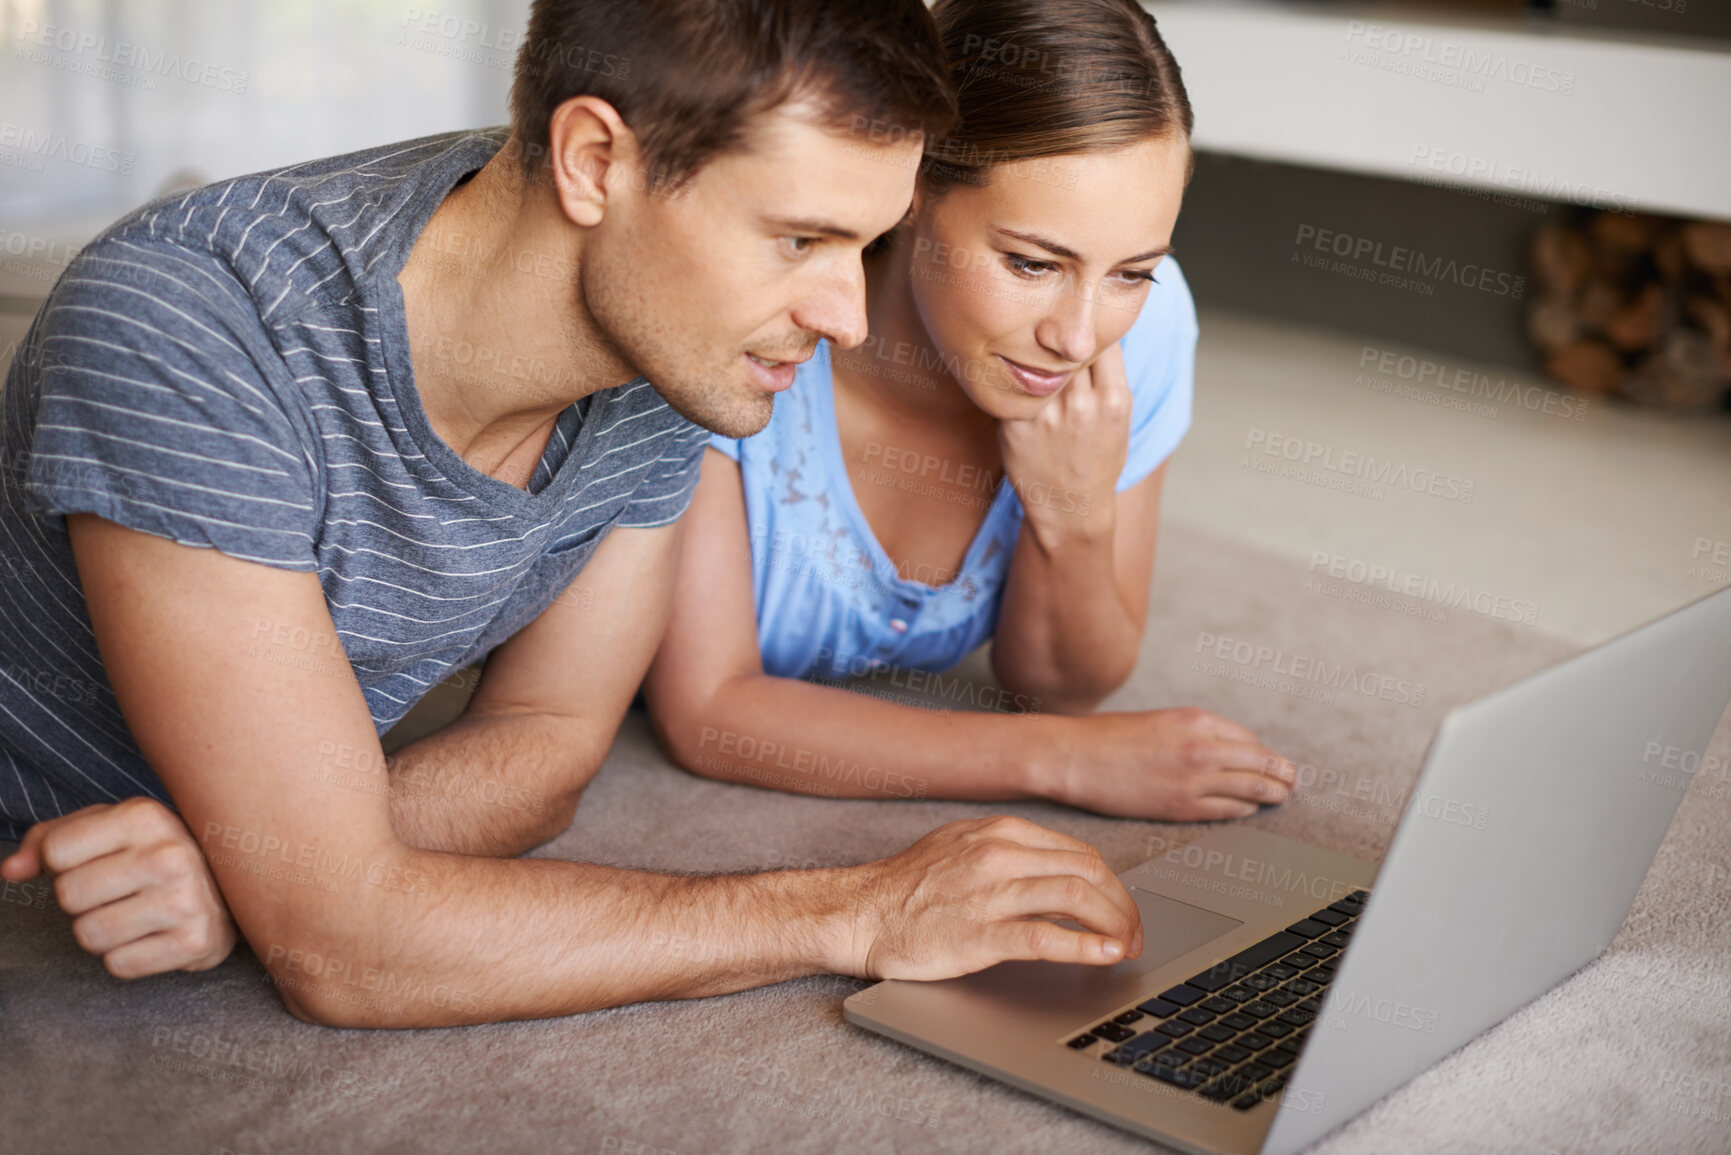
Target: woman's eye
column 1135, row 276
column 1026, row 267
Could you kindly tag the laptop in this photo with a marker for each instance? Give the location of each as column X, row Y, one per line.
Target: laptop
column 1283, row 988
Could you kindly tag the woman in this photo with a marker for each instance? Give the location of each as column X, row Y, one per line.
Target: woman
column 987, row 465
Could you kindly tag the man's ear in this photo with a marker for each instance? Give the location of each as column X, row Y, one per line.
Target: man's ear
column 588, row 144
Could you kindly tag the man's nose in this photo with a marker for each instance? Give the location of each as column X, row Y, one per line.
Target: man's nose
column 835, row 307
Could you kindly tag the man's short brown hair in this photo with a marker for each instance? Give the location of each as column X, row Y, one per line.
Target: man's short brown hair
column 689, row 76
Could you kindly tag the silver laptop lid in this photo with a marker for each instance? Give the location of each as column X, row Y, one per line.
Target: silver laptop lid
column 1534, row 821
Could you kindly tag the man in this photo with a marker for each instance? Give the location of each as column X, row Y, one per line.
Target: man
column 301, row 443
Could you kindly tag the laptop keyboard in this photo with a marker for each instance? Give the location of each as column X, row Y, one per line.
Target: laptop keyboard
column 1231, row 1033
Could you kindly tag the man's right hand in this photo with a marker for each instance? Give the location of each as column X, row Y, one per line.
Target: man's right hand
column 975, row 893
column 138, row 887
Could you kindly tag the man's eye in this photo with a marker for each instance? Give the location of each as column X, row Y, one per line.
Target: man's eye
column 1026, row 267
column 797, row 246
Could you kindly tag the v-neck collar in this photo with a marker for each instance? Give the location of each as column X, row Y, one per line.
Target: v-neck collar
column 840, row 489
column 467, row 156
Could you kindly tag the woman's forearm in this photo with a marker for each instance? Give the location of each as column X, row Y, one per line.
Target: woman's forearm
column 1063, row 633
column 787, row 734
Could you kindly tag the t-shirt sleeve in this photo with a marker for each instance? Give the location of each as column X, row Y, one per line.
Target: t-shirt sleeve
column 1160, row 363
column 665, row 493
column 154, row 411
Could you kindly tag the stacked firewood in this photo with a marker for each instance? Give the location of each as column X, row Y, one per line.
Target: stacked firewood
column 1635, row 305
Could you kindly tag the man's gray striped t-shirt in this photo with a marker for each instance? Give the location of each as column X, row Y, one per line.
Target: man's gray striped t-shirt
column 230, row 369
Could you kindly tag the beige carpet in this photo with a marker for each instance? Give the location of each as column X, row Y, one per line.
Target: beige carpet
column 1633, row 1054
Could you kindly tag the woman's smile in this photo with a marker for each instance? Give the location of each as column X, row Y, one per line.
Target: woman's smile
column 1039, row 382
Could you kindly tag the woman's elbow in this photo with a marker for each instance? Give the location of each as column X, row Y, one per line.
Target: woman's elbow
column 681, row 731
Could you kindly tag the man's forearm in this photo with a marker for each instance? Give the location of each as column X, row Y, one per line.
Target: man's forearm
column 490, row 939
column 507, row 774
column 788, row 734
column 492, row 784
column 1062, row 631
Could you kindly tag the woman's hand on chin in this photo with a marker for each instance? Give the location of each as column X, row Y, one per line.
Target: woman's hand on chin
column 1064, row 461
column 1175, row 765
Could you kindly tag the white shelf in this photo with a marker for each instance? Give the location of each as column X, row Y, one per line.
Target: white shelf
column 1642, row 124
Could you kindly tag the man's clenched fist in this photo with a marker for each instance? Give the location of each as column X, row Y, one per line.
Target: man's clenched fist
column 136, row 884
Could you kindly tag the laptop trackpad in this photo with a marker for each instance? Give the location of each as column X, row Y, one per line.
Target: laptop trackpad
column 1171, row 928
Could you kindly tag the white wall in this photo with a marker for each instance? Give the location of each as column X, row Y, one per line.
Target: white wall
column 1624, row 121
column 223, row 87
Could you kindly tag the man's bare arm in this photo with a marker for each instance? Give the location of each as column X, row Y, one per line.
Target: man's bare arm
column 506, row 775
column 360, row 928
